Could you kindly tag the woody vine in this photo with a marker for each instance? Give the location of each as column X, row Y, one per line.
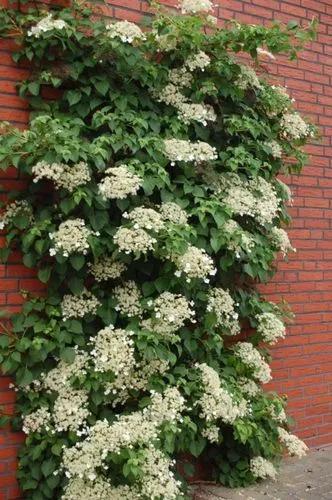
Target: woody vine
column 151, row 211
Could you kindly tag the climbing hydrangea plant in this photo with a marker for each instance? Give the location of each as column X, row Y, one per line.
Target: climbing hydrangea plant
column 151, row 211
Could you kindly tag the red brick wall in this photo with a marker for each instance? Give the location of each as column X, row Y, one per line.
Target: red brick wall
column 302, row 364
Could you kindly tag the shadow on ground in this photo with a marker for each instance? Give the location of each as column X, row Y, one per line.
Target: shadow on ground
column 310, row 477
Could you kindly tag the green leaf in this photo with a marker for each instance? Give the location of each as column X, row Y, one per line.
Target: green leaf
column 44, row 274
column 76, row 285
column 77, row 261
column 4, row 341
column 197, row 446
column 29, row 260
column 102, row 86
column 34, row 88
column 47, row 467
column 73, row 96
column 68, row 354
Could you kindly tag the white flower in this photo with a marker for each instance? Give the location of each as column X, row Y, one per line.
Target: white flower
column 248, row 387
column 270, row 327
column 126, row 31
column 198, row 61
column 293, row 127
column 280, row 239
column 251, row 357
column 295, row 446
column 263, row 52
column 16, row 208
column 134, row 240
column 46, row 24
column 276, row 149
column 262, row 468
column 145, row 218
column 36, row 421
column 171, row 212
column 195, row 263
column 106, row 268
column 71, row 237
column 222, row 305
column 64, row 176
column 171, row 311
column 211, row 433
column 195, row 6
column 247, row 78
column 113, row 350
column 216, row 402
column 78, row 306
column 255, row 197
column 137, row 428
column 128, row 297
column 119, row 183
column 181, row 150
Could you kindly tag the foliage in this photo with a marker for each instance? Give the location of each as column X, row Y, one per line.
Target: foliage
column 176, row 279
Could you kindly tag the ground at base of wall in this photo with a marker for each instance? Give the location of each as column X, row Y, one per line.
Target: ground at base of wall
column 310, row 477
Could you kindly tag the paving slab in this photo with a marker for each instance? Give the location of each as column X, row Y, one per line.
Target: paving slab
column 308, row 478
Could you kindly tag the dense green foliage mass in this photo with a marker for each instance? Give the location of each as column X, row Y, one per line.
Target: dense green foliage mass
column 152, row 210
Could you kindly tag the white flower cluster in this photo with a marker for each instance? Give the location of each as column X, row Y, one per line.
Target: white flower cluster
column 128, row 297
column 126, row 31
column 20, row 207
column 71, row 237
column 171, row 311
column 198, row 61
column 179, row 79
column 293, row 127
column 138, row 428
column 216, row 402
column 84, row 489
column 211, row 433
column 262, row 52
column 70, row 408
column 256, row 197
column 113, row 350
column 64, row 176
column 195, row 6
column 262, row 468
column 137, row 378
column 181, row 150
column 252, row 358
column 119, row 183
column 278, row 414
column 270, row 327
column 36, row 421
column 46, row 24
column 286, row 191
column 295, row 446
column 248, row 387
column 131, row 240
column 106, row 268
column 58, row 379
column 78, row 306
column 198, row 112
column 281, row 240
column 171, row 212
column 247, row 78
column 145, row 218
column 159, row 480
column 238, row 239
column 276, row 149
column 195, row 263
column 222, row 305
